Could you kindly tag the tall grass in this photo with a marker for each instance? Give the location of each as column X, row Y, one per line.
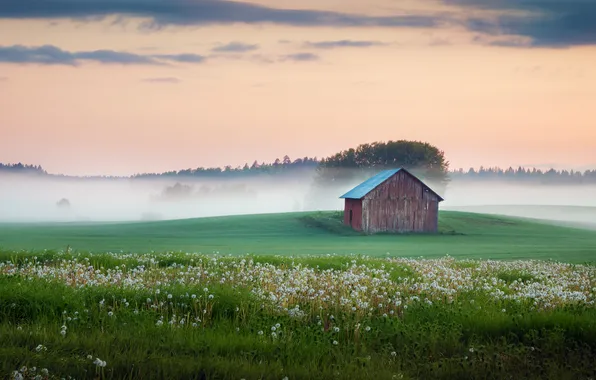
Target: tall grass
column 215, row 327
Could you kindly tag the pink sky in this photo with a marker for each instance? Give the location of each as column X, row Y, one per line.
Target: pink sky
column 447, row 85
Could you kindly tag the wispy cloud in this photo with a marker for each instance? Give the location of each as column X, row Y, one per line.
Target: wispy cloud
column 184, row 58
column 342, row 44
column 300, row 57
column 438, row 41
column 171, row 80
column 203, row 12
column 235, row 47
column 52, row 55
column 547, row 23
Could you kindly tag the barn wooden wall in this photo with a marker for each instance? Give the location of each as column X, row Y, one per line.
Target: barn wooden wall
column 400, row 204
column 356, row 206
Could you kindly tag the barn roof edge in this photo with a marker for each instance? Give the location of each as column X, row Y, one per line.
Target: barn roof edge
column 370, row 184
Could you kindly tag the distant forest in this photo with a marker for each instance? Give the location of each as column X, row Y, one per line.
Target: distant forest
column 287, row 167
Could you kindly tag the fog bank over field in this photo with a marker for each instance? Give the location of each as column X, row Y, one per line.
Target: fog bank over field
column 564, row 203
column 35, row 199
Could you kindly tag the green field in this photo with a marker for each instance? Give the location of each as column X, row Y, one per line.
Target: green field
column 463, row 235
column 287, row 309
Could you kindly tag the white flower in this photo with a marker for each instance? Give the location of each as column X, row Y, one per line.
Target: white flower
column 98, row 362
column 472, row 349
column 260, row 332
column 335, row 342
column 210, row 296
column 169, row 296
column 40, row 348
column 367, row 328
column 110, row 314
column 393, row 353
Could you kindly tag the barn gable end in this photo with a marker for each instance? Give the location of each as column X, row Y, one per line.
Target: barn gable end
column 392, row 201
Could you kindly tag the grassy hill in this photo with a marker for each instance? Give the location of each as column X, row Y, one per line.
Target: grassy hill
column 575, row 216
column 463, row 235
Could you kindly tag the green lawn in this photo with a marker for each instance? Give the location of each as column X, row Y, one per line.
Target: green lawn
column 464, row 235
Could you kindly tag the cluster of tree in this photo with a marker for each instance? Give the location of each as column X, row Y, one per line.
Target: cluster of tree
column 21, row 168
column 523, row 175
column 354, row 165
column 283, row 166
column 422, row 159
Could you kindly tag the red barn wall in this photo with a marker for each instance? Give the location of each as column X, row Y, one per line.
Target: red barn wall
column 354, row 205
column 400, row 204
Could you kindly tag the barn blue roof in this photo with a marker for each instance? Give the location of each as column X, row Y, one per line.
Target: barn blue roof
column 367, row 186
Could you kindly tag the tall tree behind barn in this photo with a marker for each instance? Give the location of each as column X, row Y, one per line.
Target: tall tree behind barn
column 392, row 201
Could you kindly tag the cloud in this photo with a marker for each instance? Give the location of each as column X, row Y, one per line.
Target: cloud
column 342, row 43
column 3, row 79
column 199, row 12
column 52, row 55
column 300, row 57
column 235, row 47
column 438, row 41
column 547, row 23
column 184, row 58
column 111, row 56
column 162, row 80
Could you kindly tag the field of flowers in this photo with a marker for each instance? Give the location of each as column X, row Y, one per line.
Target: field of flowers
column 181, row 315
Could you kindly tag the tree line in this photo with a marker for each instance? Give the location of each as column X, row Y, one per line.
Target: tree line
column 21, row 168
column 277, row 167
column 421, row 158
column 531, row 175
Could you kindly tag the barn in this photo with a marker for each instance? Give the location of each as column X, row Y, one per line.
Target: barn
column 392, row 201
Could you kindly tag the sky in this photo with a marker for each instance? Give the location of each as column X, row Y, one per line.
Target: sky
column 121, row 87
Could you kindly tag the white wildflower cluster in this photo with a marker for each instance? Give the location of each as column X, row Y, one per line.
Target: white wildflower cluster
column 41, row 348
column 366, row 286
column 30, row 373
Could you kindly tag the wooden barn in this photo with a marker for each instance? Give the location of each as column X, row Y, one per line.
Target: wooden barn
column 392, row 201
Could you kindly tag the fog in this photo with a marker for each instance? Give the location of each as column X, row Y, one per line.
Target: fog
column 575, row 204
column 35, row 199
column 28, row 199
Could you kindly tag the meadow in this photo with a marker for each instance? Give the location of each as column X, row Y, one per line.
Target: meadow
column 304, row 298
column 462, row 235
